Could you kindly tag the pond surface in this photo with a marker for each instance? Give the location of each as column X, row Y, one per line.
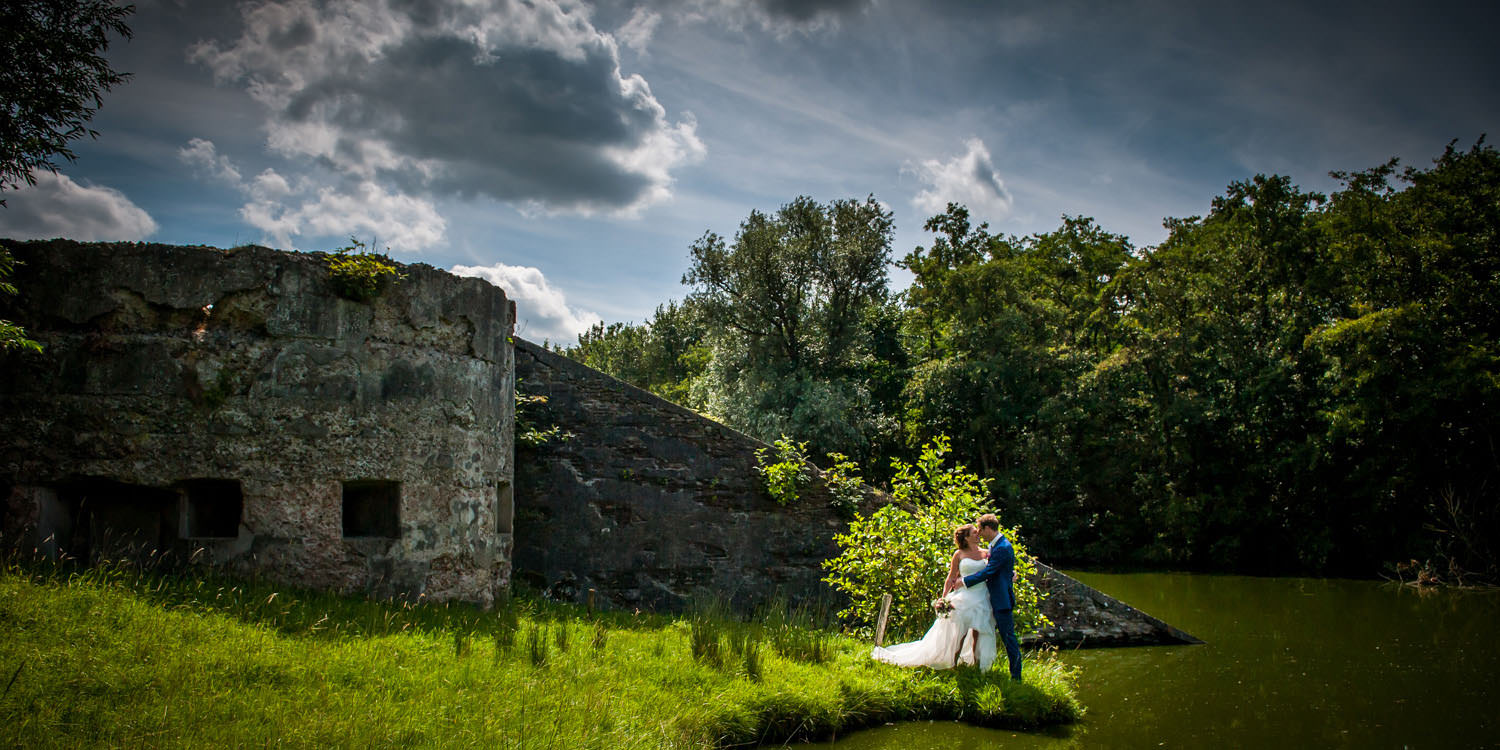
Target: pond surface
column 1289, row 663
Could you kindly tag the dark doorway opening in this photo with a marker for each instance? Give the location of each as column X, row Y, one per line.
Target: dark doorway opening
column 114, row 520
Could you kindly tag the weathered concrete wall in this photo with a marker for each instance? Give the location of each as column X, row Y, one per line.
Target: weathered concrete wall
column 371, row 443
column 651, row 504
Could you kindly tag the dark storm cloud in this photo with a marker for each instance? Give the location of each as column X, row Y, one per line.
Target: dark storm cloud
column 1268, row 85
column 808, row 10
column 521, row 102
column 530, row 126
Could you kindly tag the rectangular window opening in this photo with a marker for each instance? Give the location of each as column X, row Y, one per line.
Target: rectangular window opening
column 505, row 508
column 212, row 508
column 372, row 508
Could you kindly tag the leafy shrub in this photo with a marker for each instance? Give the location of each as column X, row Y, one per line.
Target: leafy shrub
column 845, row 486
column 904, row 548
column 786, row 475
column 359, row 274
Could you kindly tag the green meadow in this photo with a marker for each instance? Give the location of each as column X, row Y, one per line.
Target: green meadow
column 113, row 656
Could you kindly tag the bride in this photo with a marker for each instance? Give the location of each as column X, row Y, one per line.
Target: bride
column 967, row 634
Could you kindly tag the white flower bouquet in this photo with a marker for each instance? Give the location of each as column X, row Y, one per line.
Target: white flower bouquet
column 942, row 606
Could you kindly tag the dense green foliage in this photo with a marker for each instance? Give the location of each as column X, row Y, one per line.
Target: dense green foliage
column 789, row 306
column 53, row 76
column 667, row 355
column 193, row 662
column 904, row 549
column 1292, row 382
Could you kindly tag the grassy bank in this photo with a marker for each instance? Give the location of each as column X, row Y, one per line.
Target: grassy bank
column 114, row 657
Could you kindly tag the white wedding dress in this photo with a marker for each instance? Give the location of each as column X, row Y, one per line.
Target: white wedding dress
column 948, row 641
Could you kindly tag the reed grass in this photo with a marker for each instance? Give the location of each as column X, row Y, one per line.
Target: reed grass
column 118, row 656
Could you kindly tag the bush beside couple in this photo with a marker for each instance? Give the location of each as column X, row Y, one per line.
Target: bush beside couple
column 970, row 615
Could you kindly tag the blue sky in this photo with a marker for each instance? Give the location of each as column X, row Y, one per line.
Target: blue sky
column 571, row 151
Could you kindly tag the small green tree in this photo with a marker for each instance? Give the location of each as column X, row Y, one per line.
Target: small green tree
column 786, row 475
column 903, row 549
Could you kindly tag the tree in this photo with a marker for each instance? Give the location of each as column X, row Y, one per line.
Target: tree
column 1002, row 328
column 903, row 549
column 666, row 355
column 53, row 76
column 52, row 79
column 793, row 307
column 1413, row 374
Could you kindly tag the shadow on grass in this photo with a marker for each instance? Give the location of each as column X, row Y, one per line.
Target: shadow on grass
column 796, row 632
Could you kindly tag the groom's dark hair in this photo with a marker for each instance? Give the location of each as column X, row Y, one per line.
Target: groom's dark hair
column 989, row 521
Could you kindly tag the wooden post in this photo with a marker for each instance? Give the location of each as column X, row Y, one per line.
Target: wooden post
column 885, row 611
column 591, row 602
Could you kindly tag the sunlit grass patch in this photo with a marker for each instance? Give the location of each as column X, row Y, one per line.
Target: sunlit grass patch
column 113, row 656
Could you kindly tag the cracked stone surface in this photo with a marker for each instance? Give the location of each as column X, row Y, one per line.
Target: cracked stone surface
column 652, row 505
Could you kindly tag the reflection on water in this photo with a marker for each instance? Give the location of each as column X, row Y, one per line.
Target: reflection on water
column 1288, row 663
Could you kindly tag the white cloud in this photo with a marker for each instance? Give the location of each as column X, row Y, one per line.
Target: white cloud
column 969, row 180
column 519, row 100
column 59, row 207
column 542, row 311
column 636, row 33
column 269, row 186
column 393, row 220
column 284, row 210
column 200, row 154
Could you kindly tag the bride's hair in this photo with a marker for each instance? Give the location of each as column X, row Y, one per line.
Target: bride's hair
column 961, row 533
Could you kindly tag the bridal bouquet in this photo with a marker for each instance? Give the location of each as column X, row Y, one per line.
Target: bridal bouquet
column 942, row 606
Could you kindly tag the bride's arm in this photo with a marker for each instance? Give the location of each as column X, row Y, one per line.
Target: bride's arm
column 953, row 581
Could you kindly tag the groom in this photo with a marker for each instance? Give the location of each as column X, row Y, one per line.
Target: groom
column 1000, row 574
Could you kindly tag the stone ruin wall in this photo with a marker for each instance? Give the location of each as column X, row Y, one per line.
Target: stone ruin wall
column 652, row 505
column 228, row 403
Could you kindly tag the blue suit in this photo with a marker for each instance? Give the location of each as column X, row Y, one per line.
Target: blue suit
column 997, row 575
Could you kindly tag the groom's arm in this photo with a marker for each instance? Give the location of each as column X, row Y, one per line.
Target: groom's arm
column 991, row 569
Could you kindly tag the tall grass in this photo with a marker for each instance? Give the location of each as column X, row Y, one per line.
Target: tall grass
column 117, row 656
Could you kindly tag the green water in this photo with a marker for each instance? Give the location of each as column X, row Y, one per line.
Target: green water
column 1289, row 663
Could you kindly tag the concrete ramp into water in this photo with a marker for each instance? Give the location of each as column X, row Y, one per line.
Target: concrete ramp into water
column 1084, row 617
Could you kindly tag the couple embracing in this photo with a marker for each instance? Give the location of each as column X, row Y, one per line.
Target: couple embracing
column 969, row 615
